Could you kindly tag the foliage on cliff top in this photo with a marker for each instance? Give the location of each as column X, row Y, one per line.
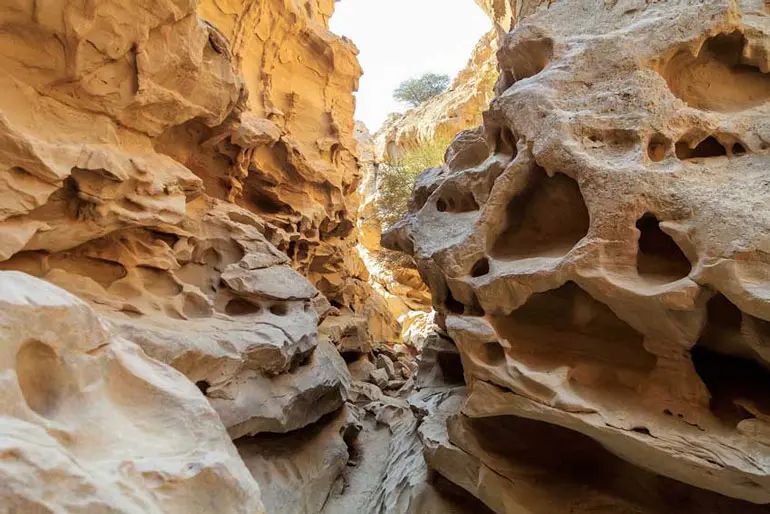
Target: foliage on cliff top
column 395, row 179
column 417, row 90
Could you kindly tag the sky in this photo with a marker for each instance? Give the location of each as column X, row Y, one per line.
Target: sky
column 401, row 39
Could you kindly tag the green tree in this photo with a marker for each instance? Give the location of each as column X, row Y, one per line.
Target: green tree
column 417, row 90
column 396, row 179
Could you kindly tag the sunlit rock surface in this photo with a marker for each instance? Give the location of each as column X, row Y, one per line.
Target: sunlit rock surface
column 90, row 424
column 598, row 251
column 187, row 168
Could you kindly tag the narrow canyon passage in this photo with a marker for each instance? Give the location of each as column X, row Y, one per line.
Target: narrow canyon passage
column 542, row 285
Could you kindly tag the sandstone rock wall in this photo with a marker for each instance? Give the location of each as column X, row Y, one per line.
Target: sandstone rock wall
column 286, row 152
column 91, row 424
column 598, row 252
column 188, row 169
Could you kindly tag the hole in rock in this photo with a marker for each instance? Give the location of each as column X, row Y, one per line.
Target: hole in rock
column 167, row 237
column 350, row 357
column 657, row 147
column 301, row 359
column 452, row 305
column 454, row 200
column 709, row 147
column 612, row 140
column 241, row 307
column 303, row 252
column 350, row 436
column 727, row 364
column 505, row 143
column 493, row 353
column 103, row 271
column 738, row 385
column 527, row 58
column 719, row 78
column 659, row 257
column 265, row 203
column 547, row 219
column 451, row 366
column 738, row 149
column 481, row 268
column 567, row 327
column 279, row 309
column 582, row 470
column 203, row 385
column 42, row 377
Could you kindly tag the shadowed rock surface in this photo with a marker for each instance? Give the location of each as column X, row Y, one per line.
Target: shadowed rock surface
column 187, row 325
column 606, row 278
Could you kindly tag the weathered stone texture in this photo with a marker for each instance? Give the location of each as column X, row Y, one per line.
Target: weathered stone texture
column 143, row 152
column 89, row 424
column 598, row 251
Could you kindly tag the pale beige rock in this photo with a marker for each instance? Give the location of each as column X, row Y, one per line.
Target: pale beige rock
column 603, row 267
column 124, row 131
column 384, row 362
column 254, row 403
column 379, row 377
column 347, row 333
column 298, row 470
column 90, row 424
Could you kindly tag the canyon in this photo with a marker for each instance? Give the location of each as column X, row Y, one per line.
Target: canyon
column 200, row 312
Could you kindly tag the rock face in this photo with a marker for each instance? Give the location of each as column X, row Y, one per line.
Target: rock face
column 598, row 251
column 90, row 424
column 287, row 151
column 178, row 185
column 160, row 160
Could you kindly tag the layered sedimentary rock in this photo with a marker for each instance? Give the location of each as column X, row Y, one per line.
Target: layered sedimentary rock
column 287, row 151
column 598, row 251
column 143, row 152
column 90, row 424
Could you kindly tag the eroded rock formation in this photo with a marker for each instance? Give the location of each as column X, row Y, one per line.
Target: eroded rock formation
column 182, row 177
column 160, row 160
column 598, row 252
column 86, row 417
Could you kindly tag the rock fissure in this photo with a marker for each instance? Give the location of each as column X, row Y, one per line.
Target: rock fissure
column 203, row 309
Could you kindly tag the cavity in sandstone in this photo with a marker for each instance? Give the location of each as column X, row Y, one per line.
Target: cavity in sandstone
column 603, row 266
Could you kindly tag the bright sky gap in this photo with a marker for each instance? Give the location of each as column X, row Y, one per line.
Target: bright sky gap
column 401, row 39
